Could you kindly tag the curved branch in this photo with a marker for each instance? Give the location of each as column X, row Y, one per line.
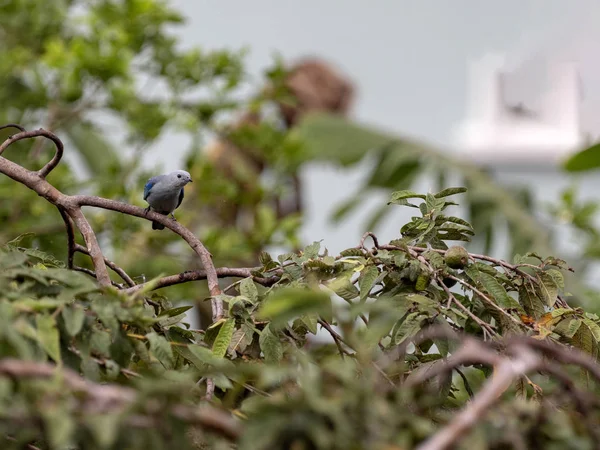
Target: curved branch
column 505, row 373
column 187, row 235
column 13, row 125
column 50, row 165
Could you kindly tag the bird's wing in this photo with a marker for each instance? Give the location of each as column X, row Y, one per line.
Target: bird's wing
column 180, row 198
column 151, row 182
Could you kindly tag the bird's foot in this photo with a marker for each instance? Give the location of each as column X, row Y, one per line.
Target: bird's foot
column 173, row 217
column 147, row 210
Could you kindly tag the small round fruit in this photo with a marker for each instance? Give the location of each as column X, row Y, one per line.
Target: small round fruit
column 456, row 257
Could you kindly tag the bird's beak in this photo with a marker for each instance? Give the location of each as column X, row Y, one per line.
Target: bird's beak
column 191, row 180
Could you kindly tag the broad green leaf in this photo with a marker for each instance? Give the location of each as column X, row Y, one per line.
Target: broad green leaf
column 547, row 288
column 48, row 335
column 410, row 326
column 73, row 316
column 242, row 338
column 59, row 425
column 310, row 320
column 344, row 288
column 223, row 339
column 366, row 281
column 494, row 288
column 176, row 311
column 584, row 340
column 404, row 195
column 270, row 345
column 104, row 428
column 587, row 159
column 450, row 191
column 286, row 304
column 312, row 250
column 558, row 277
column 593, row 327
column 531, row 302
column 161, row 349
column 248, row 290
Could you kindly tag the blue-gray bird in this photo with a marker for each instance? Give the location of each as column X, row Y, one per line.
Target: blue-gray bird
column 164, row 193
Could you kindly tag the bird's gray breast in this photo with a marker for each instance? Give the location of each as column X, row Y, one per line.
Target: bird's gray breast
column 163, row 201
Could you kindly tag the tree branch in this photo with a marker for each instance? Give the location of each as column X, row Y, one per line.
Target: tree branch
column 195, row 275
column 70, row 208
column 505, row 373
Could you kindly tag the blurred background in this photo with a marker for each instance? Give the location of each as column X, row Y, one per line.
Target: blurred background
column 500, row 97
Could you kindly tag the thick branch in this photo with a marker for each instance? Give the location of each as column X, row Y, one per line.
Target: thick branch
column 187, row 235
column 93, row 248
column 507, row 371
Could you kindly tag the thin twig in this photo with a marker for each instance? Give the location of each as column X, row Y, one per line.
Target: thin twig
column 488, row 300
column 194, row 275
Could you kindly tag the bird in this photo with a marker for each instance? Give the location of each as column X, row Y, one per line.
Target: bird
column 164, row 194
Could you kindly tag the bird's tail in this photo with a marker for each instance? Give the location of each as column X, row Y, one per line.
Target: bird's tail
column 157, row 226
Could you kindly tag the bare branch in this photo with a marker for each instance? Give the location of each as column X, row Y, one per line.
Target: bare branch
column 12, row 125
column 44, row 171
column 505, row 373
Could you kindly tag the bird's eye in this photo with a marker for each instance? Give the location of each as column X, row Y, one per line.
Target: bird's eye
column 178, row 176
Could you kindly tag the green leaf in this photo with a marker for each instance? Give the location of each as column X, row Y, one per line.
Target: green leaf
column 450, row 191
column 547, row 288
column 270, row 345
column 404, row 195
column 73, row 316
column 345, row 289
column 367, row 278
column 410, row 326
column 104, row 428
column 587, row 159
column 584, row 340
column 531, row 302
column 59, row 425
column 494, row 288
column 161, row 349
column 289, row 303
column 48, row 335
column 248, row 289
column 242, row 338
column 223, row 339
column 176, row 311
column 310, row 320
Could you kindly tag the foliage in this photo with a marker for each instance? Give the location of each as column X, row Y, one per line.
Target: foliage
column 287, row 389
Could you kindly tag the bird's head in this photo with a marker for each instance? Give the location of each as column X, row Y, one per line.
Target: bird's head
column 180, row 178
